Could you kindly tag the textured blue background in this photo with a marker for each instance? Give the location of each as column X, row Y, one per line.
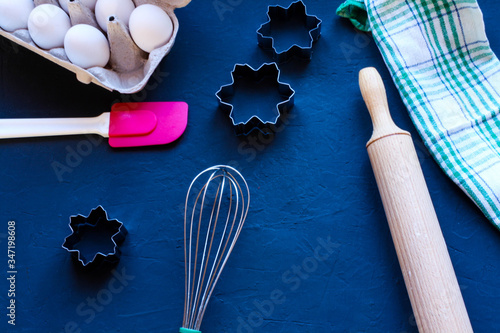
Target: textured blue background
column 311, row 181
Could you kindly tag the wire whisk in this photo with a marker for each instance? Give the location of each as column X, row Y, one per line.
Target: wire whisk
column 216, row 207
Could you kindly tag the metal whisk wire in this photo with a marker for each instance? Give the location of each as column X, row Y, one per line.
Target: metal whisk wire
column 232, row 197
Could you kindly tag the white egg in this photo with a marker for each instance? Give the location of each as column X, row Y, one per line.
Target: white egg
column 88, row 3
column 120, row 9
column 150, row 27
column 14, row 14
column 86, row 46
column 47, row 25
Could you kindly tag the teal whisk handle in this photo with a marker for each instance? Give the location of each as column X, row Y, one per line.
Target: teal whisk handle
column 188, row 330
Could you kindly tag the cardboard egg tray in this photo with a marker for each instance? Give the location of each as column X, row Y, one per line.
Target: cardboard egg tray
column 123, row 82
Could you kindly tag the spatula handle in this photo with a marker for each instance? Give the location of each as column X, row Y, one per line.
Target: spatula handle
column 37, row 127
column 427, row 269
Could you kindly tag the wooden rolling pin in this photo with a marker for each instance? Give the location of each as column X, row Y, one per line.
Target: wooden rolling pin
column 427, row 269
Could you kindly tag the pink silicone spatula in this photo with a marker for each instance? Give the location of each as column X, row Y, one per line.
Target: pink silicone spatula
column 127, row 125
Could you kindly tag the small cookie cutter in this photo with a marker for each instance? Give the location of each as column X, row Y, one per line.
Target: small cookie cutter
column 296, row 10
column 242, row 72
column 83, row 227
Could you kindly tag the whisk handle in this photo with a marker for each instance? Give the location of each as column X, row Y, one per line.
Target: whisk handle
column 187, row 330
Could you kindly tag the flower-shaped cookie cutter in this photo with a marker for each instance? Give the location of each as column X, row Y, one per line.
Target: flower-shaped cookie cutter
column 245, row 75
column 90, row 232
column 296, row 12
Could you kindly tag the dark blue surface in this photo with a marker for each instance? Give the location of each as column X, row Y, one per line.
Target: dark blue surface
column 311, row 185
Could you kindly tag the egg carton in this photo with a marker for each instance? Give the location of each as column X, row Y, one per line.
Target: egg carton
column 126, row 82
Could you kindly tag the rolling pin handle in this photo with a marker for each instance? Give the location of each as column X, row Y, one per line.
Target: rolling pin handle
column 375, row 97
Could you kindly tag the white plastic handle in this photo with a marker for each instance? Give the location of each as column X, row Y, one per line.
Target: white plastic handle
column 37, row 127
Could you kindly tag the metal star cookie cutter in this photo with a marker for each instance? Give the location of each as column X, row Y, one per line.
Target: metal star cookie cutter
column 95, row 228
column 245, row 75
column 296, row 11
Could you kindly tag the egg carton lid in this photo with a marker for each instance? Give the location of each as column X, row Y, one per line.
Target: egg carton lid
column 125, row 83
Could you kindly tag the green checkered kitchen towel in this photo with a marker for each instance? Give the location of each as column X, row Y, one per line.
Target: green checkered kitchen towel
column 449, row 79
